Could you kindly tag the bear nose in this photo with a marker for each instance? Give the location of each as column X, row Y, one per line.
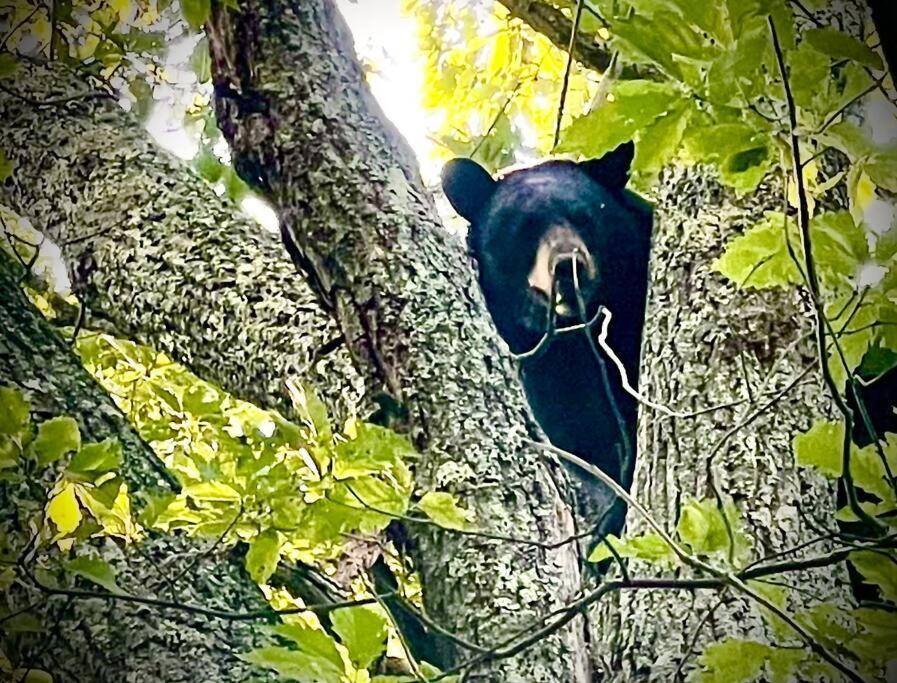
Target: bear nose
column 571, row 270
column 571, row 267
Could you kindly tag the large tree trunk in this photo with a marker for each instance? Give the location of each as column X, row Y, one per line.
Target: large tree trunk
column 157, row 256
column 292, row 100
column 709, row 344
column 102, row 640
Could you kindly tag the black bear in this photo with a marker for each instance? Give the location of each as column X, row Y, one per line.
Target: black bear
column 553, row 243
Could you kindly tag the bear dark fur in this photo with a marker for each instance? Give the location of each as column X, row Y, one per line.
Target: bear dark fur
column 571, row 212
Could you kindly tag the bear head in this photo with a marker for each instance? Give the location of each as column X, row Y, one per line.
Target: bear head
column 552, row 242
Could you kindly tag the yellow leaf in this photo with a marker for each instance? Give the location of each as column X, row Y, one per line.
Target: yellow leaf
column 41, row 29
column 123, row 7
column 865, row 192
column 64, row 511
column 87, row 48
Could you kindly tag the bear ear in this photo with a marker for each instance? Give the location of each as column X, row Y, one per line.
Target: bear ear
column 611, row 170
column 468, row 186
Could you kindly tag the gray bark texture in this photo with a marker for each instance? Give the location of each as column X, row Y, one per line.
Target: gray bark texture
column 708, row 344
column 97, row 639
column 292, row 100
column 157, row 256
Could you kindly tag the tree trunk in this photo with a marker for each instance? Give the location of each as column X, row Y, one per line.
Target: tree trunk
column 157, row 256
column 101, row 639
column 706, row 344
column 304, row 129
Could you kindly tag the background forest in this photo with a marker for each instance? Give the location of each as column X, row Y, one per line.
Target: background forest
column 256, row 424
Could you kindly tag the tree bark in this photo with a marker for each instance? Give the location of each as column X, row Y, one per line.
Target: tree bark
column 157, row 256
column 304, row 129
column 709, row 344
column 100, row 639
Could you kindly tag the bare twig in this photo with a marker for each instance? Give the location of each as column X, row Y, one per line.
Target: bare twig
column 803, row 215
column 733, row 580
column 197, row 609
column 205, row 553
column 571, row 49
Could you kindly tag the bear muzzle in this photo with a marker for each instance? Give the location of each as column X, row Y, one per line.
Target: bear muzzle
column 562, row 265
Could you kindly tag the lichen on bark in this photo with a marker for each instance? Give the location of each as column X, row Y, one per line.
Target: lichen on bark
column 158, row 256
column 293, row 102
column 102, row 639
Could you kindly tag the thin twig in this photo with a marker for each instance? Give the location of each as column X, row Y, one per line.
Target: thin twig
column 571, row 49
column 19, row 25
column 86, row 95
column 406, row 647
column 198, row 609
column 693, row 641
column 727, row 578
column 803, row 215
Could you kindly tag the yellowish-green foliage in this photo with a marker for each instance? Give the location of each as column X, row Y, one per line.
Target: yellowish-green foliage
column 289, row 489
column 495, row 80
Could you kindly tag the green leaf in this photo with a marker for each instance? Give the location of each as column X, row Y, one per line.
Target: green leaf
column 94, row 570
column 213, row 491
column 208, row 165
column 311, row 409
column 201, row 61
column 430, row 673
column 745, row 170
column 809, row 76
column 739, row 151
column 778, row 596
column 234, row 185
column 64, row 510
column 828, row 622
column 650, row 547
column 839, row 247
column 296, row 665
column 315, row 658
column 363, row 630
column 659, row 142
column 635, row 106
column 8, row 65
column 838, row 45
column 759, row 258
column 263, row 555
column 104, row 456
column 878, row 569
column 869, row 473
column 22, row 623
column 150, row 42
column 663, row 39
column 733, row 661
column 784, row 664
column 739, row 75
column 14, row 412
column 202, row 400
column 7, row 166
column 55, row 438
column 878, row 161
column 143, row 97
column 714, row 143
column 196, row 12
column 373, row 450
column 877, row 635
column 821, row 447
column 443, row 509
column 702, row 526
